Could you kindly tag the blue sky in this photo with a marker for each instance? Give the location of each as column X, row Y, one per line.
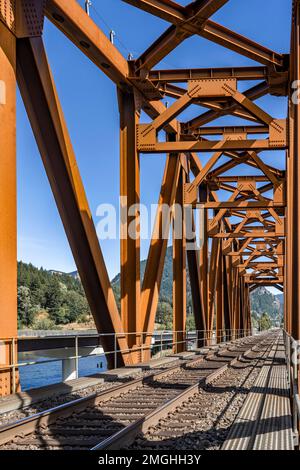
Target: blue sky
column 90, row 105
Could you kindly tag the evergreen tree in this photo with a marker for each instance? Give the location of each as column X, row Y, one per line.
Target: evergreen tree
column 264, row 322
column 54, row 299
column 25, row 307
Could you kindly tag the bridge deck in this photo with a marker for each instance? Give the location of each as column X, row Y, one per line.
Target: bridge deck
column 265, row 420
column 27, row 398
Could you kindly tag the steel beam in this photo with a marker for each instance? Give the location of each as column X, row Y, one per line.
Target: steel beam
column 210, row 146
column 193, row 258
column 195, row 16
column 130, row 236
column 253, row 93
column 158, row 245
column 71, row 19
column 293, row 182
column 179, row 267
column 178, row 15
column 8, row 211
column 182, row 75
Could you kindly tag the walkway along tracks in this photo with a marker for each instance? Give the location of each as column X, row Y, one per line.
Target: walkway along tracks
column 265, row 420
column 86, row 422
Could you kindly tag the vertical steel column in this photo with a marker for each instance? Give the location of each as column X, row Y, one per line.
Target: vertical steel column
column 213, row 270
column 130, row 236
column 247, row 306
column 289, row 219
column 194, row 273
column 179, row 267
column 8, row 207
column 226, row 298
column 230, row 279
column 241, row 304
column 294, row 185
column 203, row 257
column 236, row 318
column 219, row 297
column 158, row 246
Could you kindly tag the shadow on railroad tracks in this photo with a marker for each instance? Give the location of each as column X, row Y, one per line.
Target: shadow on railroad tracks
column 36, row 400
column 213, row 437
column 82, row 432
column 85, row 428
column 77, row 428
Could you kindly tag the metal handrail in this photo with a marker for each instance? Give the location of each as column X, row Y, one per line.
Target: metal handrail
column 188, row 336
column 292, row 349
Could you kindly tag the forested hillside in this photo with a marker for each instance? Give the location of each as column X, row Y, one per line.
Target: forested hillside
column 164, row 309
column 263, row 302
column 48, row 299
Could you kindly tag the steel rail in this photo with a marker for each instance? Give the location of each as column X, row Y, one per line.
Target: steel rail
column 126, row 436
column 25, row 425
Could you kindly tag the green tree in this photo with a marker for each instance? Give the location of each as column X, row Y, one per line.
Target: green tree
column 164, row 314
column 76, row 305
column 54, row 300
column 25, row 307
column 264, row 322
column 190, row 323
column 61, row 295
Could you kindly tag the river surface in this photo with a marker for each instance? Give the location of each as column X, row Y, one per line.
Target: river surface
column 38, row 375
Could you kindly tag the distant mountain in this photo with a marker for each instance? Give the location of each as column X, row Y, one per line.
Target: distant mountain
column 280, row 297
column 167, row 279
column 263, row 301
column 74, row 274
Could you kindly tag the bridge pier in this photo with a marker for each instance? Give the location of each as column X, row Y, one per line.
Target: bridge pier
column 69, row 370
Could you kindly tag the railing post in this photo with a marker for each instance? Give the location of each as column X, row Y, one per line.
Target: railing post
column 76, row 357
column 13, row 366
column 294, row 387
column 288, row 355
column 115, row 350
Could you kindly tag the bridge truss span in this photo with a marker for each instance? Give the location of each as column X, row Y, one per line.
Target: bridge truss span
column 222, row 177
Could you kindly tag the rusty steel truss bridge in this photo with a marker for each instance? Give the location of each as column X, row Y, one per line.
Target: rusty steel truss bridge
column 250, row 222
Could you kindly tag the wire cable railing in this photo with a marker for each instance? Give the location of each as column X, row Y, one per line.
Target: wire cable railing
column 292, row 350
column 148, row 346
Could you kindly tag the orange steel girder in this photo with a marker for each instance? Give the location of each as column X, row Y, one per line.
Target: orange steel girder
column 8, row 211
column 130, row 197
column 231, row 261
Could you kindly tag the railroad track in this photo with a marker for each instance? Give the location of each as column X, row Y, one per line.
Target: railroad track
column 113, row 417
column 174, row 418
column 203, row 420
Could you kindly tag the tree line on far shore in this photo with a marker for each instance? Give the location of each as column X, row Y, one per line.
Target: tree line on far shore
column 47, row 299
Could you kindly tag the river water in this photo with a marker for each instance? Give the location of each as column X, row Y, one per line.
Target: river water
column 38, row 375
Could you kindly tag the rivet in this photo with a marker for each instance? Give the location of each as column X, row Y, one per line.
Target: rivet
column 84, row 44
column 58, row 17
